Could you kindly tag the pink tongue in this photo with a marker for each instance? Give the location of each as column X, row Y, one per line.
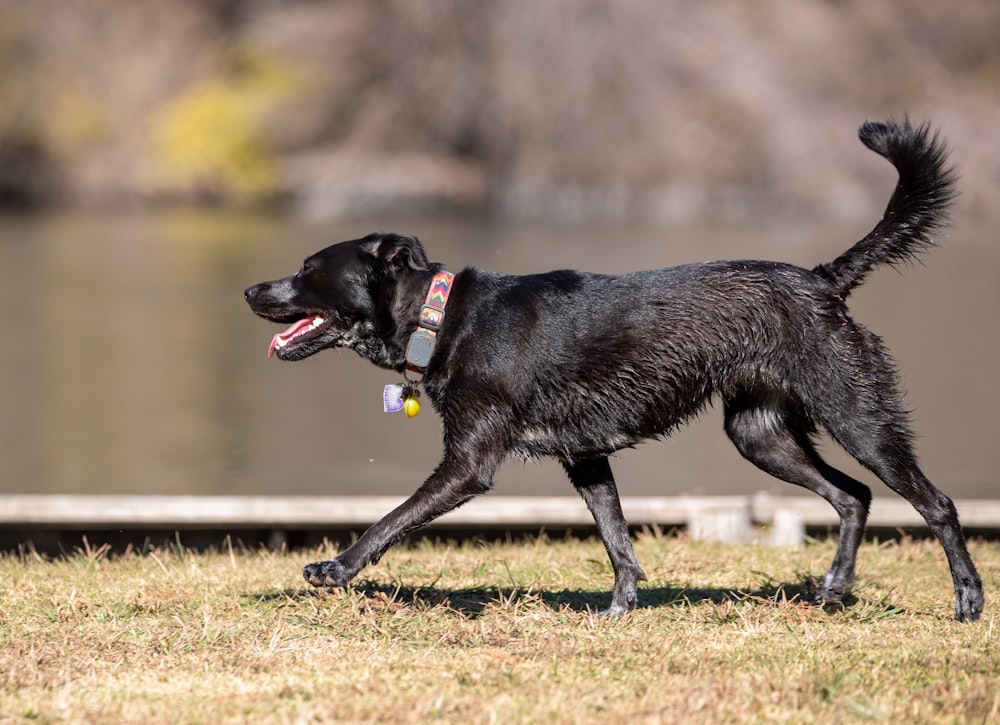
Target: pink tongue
column 282, row 338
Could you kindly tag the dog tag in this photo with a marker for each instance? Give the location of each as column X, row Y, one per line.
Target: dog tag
column 392, row 398
column 420, row 348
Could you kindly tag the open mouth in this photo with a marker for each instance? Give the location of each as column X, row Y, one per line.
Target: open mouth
column 300, row 331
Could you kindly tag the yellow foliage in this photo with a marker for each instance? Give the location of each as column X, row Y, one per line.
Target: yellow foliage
column 211, row 139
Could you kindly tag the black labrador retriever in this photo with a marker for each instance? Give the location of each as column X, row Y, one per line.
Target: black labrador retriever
column 577, row 366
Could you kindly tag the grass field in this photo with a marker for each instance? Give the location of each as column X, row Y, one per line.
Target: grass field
column 494, row 633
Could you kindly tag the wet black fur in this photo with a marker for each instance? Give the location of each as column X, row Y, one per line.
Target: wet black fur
column 576, row 366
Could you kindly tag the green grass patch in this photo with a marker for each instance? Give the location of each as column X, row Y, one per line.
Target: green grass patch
column 494, row 632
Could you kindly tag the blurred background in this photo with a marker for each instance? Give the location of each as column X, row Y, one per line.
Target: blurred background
column 157, row 157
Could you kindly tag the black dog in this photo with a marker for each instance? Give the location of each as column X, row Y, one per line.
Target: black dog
column 577, row 366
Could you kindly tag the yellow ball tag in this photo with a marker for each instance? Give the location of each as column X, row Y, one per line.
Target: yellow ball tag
column 411, row 407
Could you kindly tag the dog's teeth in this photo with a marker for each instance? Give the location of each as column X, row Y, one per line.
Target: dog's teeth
column 297, row 329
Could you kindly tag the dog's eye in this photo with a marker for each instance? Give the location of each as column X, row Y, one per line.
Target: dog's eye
column 308, row 267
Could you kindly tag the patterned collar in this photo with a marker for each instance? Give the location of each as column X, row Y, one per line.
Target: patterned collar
column 421, row 344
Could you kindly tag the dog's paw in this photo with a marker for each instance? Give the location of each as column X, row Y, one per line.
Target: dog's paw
column 326, row 574
column 969, row 603
column 614, row 612
column 625, row 596
column 827, row 597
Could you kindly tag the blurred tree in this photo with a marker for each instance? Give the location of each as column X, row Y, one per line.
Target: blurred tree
column 209, row 142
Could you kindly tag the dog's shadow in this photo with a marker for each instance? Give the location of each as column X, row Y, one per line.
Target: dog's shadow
column 473, row 602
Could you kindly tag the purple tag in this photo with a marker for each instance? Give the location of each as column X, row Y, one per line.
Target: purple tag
column 392, row 398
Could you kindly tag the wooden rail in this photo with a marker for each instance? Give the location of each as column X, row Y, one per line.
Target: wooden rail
column 728, row 518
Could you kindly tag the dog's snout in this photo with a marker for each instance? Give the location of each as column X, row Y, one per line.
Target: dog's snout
column 250, row 292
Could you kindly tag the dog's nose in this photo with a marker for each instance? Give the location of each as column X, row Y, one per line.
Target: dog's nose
column 251, row 292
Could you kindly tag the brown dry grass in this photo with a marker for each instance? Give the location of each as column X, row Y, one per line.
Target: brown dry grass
column 493, row 632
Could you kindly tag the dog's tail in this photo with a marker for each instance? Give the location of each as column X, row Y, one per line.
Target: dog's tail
column 919, row 204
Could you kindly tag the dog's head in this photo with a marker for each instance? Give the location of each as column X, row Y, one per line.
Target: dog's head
column 346, row 295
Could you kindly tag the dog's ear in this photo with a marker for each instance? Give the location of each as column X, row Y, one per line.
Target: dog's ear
column 398, row 251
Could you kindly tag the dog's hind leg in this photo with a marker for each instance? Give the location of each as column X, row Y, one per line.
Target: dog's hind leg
column 770, row 433
column 882, row 444
column 596, row 485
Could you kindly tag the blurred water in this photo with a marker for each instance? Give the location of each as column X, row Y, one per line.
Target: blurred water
column 131, row 364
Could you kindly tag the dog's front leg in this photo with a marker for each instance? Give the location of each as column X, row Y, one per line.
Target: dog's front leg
column 596, row 484
column 453, row 483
